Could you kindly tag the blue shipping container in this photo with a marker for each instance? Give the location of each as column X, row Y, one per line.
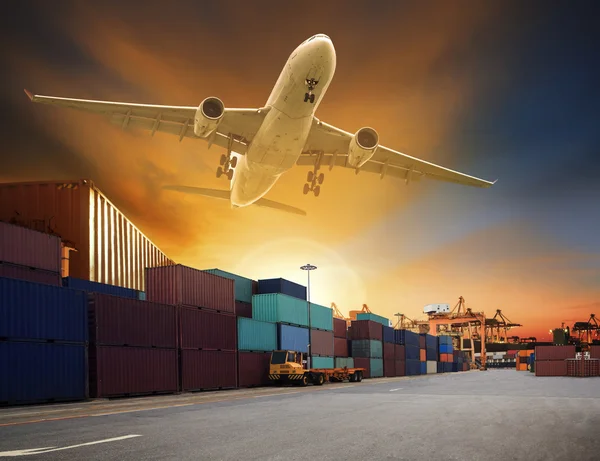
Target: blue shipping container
column 431, row 354
column 423, row 368
column 242, row 285
column 376, row 368
column 446, row 349
column 440, row 367
column 431, row 341
column 37, row 372
column 447, row 367
column 444, row 339
column 292, row 338
column 96, row 287
column 388, row 334
column 35, row 311
column 282, row 286
column 322, row 362
column 406, row 337
column 413, row 367
column 412, row 352
column 454, row 367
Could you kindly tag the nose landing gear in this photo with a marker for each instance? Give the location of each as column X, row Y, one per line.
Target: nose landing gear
column 227, row 162
column 311, row 83
column 315, row 179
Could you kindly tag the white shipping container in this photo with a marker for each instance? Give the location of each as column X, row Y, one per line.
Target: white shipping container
column 436, row 308
column 431, row 367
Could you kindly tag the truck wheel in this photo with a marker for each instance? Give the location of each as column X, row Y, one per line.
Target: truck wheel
column 319, row 379
column 352, row 378
column 359, row 378
column 304, row 381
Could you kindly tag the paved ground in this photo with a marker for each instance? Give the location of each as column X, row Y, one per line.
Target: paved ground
column 492, row 415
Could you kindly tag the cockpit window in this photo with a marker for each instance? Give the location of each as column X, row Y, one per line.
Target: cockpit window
column 291, row 357
column 278, row 358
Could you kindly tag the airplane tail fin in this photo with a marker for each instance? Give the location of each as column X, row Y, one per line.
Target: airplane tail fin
column 225, row 195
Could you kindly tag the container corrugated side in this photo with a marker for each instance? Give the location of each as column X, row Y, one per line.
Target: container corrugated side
column 595, row 352
column 30, row 248
column 340, row 328
column 119, row 371
column 283, row 286
column 431, row 342
column 341, row 362
column 182, row 285
column 387, row 334
column 446, row 349
column 423, row 367
column 376, row 368
column 321, row 317
column 400, row 368
column 322, row 362
column 399, row 352
column 412, row 352
column 322, row 342
column 374, row 317
column 554, row 352
column 389, row 368
column 117, row 321
column 28, row 274
column 363, row 362
column 412, row 367
column 36, row 311
column 208, row 370
column 422, row 341
column 431, row 367
column 279, row 308
column 365, row 329
column 42, row 372
column 340, row 347
column 242, row 285
column 292, row 338
column 243, row 309
column 389, row 351
column 204, row 329
column 103, row 288
column 448, row 367
column 254, row 335
column 406, row 337
column 431, row 354
column 253, row 369
column 367, row 348
column 551, row 368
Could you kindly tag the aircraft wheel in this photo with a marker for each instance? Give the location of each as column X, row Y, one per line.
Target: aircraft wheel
column 234, row 162
column 230, row 175
column 306, row 189
column 317, row 191
column 223, row 159
column 312, row 98
column 306, row 97
column 219, row 172
column 310, row 176
column 321, row 178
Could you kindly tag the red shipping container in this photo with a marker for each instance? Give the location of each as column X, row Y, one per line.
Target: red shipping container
column 243, row 309
column 554, row 352
column 203, row 329
column 389, row 368
column 181, row 285
column 422, row 341
column 361, row 362
column 365, row 329
column 116, row 321
column 322, row 342
column 339, row 328
column 340, row 347
column 117, row 371
column 583, row 368
column 595, row 352
column 253, row 369
column 30, row 248
column 389, row 351
column 208, row 370
column 254, row 287
column 400, row 368
column 550, row 367
column 399, row 352
column 12, row 271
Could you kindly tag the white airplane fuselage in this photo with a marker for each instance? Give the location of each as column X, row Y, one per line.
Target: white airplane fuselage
column 282, row 136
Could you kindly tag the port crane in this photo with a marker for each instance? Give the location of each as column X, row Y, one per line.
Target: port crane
column 405, row 323
column 588, row 331
column 338, row 315
column 497, row 328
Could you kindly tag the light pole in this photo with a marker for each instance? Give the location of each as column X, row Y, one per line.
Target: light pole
column 308, row 268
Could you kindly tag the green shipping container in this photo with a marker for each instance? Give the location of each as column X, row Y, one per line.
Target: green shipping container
column 367, row 348
column 321, row 317
column 256, row 336
column 279, row 308
column 375, row 318
column 341, row 362
column 376, row 368
column 322, row 362
column 242, row 285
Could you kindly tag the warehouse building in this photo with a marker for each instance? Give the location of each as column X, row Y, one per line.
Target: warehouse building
column 101, row 244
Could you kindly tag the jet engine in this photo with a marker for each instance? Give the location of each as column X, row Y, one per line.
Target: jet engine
column 209, row 114
column 362, row 147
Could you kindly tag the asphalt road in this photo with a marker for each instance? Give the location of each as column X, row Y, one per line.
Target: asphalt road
column 492, row 415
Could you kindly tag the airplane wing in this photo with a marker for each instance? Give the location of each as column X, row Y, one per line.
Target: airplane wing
column 240, row 125
column 332, row 143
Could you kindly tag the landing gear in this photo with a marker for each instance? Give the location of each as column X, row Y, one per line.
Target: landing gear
column 314, row 179
column 227, row 162
column 311, row 83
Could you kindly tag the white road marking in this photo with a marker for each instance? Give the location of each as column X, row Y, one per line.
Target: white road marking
column 36, row 451
column 398, row 389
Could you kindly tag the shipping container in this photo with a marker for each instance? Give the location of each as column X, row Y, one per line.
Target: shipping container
column 406, row 337
column 242, row 285
column 454, row 367
column 387, row 334
column 362, row 362
column 42, row 372
column 399, row 352
column 321, row 317
column 254, row 335
column 412, row 367
column 431, row 342
column 121, row 371
column 28, row 274
column 583, row 368
column 422, row 355
column 389, row 368
column 340, row 328
column 412, row 352
column 36, row 311
column 448, row 367
column 116, row 321
column 341, row 362
column 446, row 349
column 278, row 308
column 423, row 366
column 376, row 368
column 554, row 352
column 322, row 362
column 422, row 341
column 367, row 348
column 96, row 287
column 253, row 369
column 551, row 367
column 595, row 352
column 203, row 329
column 321, row 342
column 440, row 367
column 374, row 317
column 431, row 354
column 365, row 329
column 26, row 247
column 110, row 248
column 282, row 286
column 182, row 285
column 141, row 295
column 400, row 368
column 202, row 370
column 293, row 338
column 243, row 309
column 389, row 351
column 431, row 367
column 340, row 347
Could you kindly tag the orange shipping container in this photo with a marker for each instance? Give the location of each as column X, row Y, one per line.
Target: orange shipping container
column 423, row 355
column 109, row 247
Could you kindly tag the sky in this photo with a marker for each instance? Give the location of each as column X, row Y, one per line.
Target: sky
column 504, row 90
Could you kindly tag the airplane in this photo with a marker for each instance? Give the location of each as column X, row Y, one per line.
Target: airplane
column 272, row 139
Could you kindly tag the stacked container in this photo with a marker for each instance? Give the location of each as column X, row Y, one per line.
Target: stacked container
column 446, row 354
column 282, row 286
column 551, row 360
column 133, row 346
column 206, row 315
column 43, row 343
column 389, row 352
column 522, row 359
column 374, row 317
column 367, row 346
column 341, row 351
column 400, row 359
column 96, row 287
column 256, row 340
column 411, row 344
column 29, row 255
column 243, row 291
column 431, row 353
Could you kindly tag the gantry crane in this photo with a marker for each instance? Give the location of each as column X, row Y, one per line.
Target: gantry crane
column 588, row 331
column 337, row 314
column 497, row 325
column 365, row 309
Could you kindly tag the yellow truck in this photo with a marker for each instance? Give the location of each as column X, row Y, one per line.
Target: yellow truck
column 286, row 368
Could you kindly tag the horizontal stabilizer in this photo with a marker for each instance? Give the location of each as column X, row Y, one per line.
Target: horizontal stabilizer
column 225, row 195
